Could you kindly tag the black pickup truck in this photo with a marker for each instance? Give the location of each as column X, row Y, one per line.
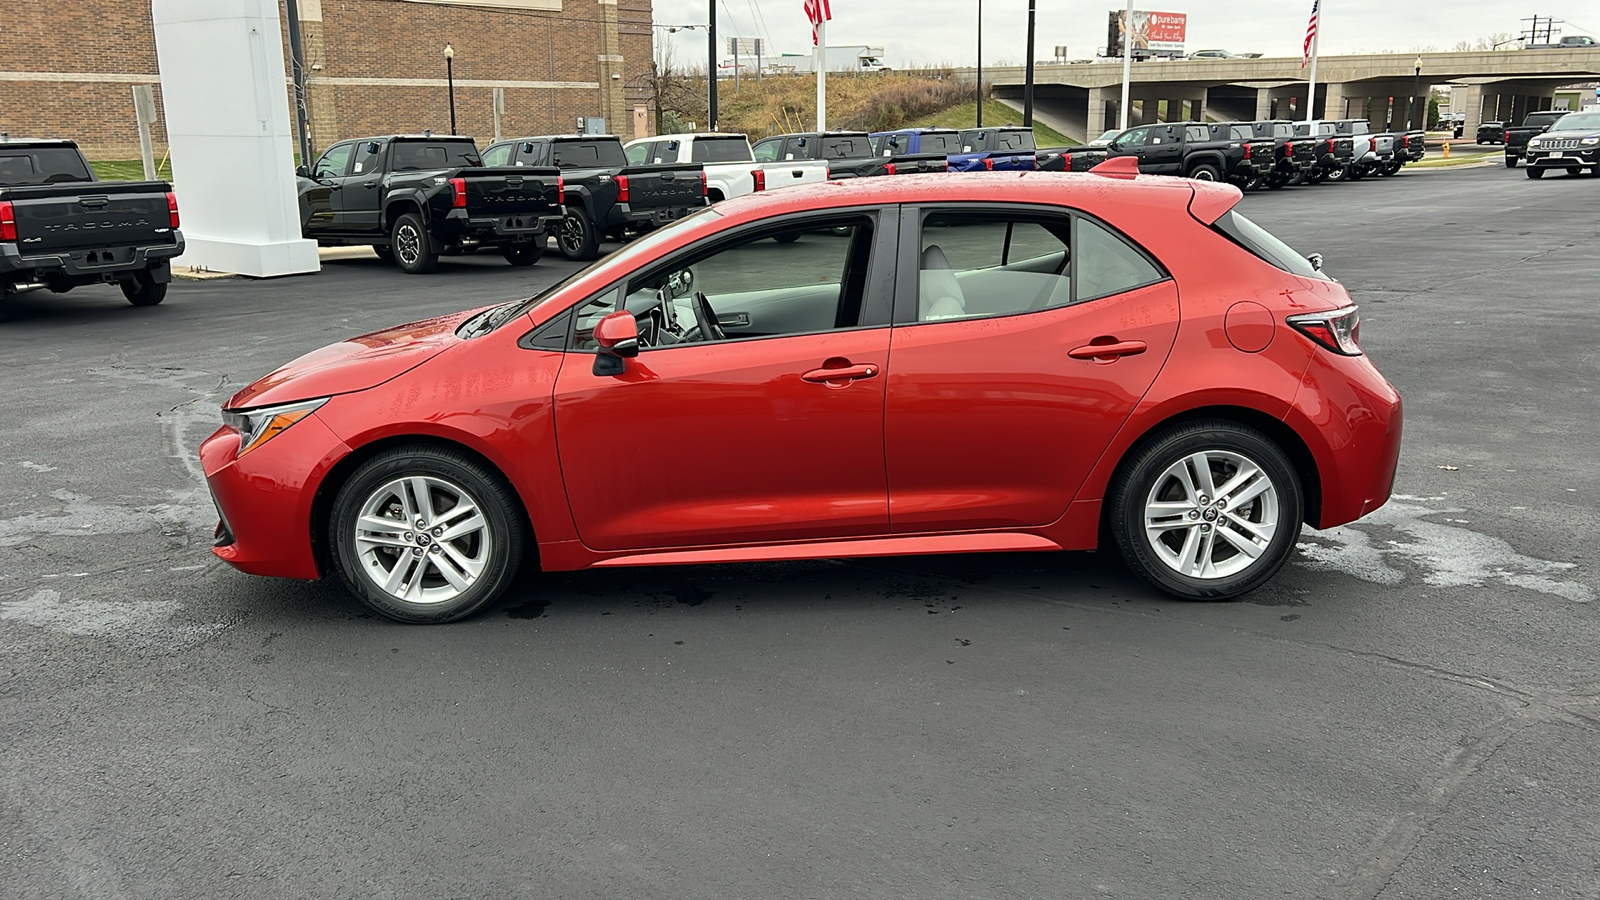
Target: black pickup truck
column 414, row 197
column 847, row 153
column 1196, row 150
column 1335, row 152
column 61, row 228
column 1291, row 159
column 604, row 196
column 1517, row 136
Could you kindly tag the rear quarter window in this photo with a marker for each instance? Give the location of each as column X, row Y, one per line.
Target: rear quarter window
column 1265, row 246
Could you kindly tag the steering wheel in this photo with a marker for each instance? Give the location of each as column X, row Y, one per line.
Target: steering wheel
column 710, row 328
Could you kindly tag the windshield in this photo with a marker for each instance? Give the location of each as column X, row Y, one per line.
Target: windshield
column 1578, row 122
column 619, row 262
column 721, row 150
column 42, row 165
column 1266, row 246
column 414, row 156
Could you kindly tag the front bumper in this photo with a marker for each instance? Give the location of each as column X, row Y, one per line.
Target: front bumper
column 1564, row 159
column 265, row 498
column 90, row 266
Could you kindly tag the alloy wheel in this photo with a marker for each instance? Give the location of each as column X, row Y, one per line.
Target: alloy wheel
column 571, row 235
column 408, row 244
column 422, row 539
column 1211, row 514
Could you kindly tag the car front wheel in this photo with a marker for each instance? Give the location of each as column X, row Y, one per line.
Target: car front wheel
column 426, row 535
column 1207, row 511
column 1205, row 173
column 1535, row 172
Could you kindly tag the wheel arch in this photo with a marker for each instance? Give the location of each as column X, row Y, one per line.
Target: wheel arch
column 336, row 476
column 398, row 205
column 1281, row 433
column 1206, row 158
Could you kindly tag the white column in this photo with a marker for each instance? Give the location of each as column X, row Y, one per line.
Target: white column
column 227, row 110
column 822, row 77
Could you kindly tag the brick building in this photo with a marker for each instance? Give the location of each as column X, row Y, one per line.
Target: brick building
column 373, row 67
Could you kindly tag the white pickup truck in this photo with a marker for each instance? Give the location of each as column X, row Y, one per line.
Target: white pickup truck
column 731, row 170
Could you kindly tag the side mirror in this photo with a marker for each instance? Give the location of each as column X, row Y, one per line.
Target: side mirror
column 1316, row 260
column 303, row 171
column 618, row 337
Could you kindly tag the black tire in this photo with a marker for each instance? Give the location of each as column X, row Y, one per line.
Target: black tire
column 1511, row 162
column 1144, row 475
column 525, row 253
column 384, row 253
column 788, row 238
column 575, row 236
column 1535, row 172
column 1317, row 177
column 144, row 290
column 502, row 550
column 1276, row 182
column 413, row 248
column 1574, row 170
column 1205, row 172
column 1337, row 175
column 1355, row 173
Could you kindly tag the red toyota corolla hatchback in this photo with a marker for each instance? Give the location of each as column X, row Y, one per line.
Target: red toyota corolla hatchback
column 883, row 366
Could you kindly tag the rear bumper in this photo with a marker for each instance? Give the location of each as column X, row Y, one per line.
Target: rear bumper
column 499, row 229
column 623, row 215
column 89, row 266
column 1352, row 419
column 265, row 499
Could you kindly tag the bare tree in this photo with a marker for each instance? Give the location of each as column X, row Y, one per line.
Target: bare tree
column 672, row 93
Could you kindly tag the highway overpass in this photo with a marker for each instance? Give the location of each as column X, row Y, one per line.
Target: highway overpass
column 1501, row 85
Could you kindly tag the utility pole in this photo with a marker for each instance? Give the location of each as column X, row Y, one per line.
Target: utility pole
column 711, row 70
column 1127, row 64
column 1027, row 85
column 980, row 63
column 297, row 71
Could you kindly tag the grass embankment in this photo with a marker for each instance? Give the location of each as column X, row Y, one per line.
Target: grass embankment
column 784, row 103
column 129, row 169
column 1461, row 159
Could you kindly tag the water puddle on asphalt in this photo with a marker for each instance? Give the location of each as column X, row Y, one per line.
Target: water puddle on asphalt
column 1447, row 554
column 142, row 625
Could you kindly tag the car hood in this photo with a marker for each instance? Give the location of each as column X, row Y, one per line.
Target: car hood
column 354, row 364
column 1576, row 133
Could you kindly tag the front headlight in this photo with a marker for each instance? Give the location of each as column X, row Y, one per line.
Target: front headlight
column 257, row 426
column 1590, row 141
column 1533, row 143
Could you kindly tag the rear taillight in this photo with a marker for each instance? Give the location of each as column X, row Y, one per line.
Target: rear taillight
column 989, row 164
column 1330, row 145
column 888, row 169
column 561, row 191
column 8, row 221
column 622, row 189
column 172, row 209
column 1247, row 150
column 760, row 179
column 1372, row 144
column 1338, row 330
column 458, row 200
column 947, row 166
column 1405, row 141
column 704, row 186
column 1507, row 138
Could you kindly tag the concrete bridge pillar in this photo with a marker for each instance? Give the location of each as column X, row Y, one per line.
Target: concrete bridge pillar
column 1333, row 102
column 1263, row 105
column 1102, row 110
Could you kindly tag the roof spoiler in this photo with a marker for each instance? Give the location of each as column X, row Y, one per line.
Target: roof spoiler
column 1117, row 167
column 1212, row 199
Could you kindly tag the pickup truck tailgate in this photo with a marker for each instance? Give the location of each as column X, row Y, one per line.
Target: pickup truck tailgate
column 82, row 214
column 674, row 185
column 513, row 191
column 789, row 174
column 918, row 164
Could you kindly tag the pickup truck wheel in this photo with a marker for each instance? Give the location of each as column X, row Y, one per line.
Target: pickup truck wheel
column 576, row 239
column 1274, row 182
column 1535, row 172
column 524, row 254
column 1511, row 162
column 413, row 249
column 384, row 253
column 1337, row 174
column 143, row 290
column 1205, row 172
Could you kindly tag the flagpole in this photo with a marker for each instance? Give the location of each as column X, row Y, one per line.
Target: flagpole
column 1311, row 89
column 1127, row 64
column 822, row 76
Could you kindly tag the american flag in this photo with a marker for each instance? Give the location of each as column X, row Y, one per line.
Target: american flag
column 1311, row 33
column 817, row 11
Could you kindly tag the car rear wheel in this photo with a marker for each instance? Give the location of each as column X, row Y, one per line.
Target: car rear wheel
column 143, row 290
column 525, row 253
column 577, row 239
column 1207, row 511
column 1205, row 172
column 1535, row 172
column 413, row 249
column 1511, row 162
column 426, row 535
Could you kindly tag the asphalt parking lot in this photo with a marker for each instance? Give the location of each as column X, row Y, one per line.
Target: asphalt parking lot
column 1411, row 710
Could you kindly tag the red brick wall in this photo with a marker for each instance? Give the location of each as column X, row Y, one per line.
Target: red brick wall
column 355, row 39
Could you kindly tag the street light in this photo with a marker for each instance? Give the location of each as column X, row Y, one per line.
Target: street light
column 1416, row 97
column 450, row 81
column 980, row 63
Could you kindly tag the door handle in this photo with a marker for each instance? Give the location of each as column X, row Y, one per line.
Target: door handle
column 1108, row 351
column 841, row 374
column 370, row 184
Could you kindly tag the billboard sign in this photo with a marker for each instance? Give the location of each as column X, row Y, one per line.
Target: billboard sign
column 1154, row 33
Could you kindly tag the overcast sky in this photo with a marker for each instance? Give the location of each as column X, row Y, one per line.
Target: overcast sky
column 944, row 31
